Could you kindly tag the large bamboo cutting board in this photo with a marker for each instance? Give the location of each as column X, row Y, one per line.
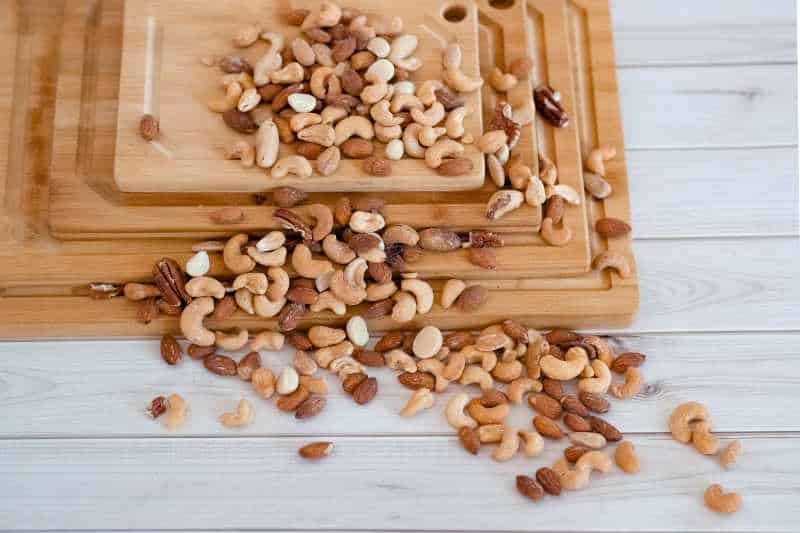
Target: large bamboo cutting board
column 43, row 281
column 194, row 139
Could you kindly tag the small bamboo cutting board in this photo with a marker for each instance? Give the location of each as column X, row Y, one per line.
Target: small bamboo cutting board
column 162, row 75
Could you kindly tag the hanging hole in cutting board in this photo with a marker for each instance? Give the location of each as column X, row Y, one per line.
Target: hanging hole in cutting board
column 455, row 13
column 501, row 4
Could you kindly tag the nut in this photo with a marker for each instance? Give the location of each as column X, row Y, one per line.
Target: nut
column 588, row 439
column 721, row 502
column 532, row 443
column 263, row 381
column 239, row 418
column 365, row 391
column 573, row 453
column 547, row 427
column 548, row 479
column 596, row 185
column 357, row 148
column 548, row 104
column 423, row 293
column 631, row 387
column 575, row 361
column 439, row 240
column 366, row 222
column 221, row 365
column 472, row 298
column 474, row 374
column 316, row 450
column 545, row 405
column 149, row 128
column 595, row 162
column 625, row 457
column 598, row 384
column 519, row 387
column 357, row 331
column 502, row 82
column 508, row 447
column 291, row 402
column 288, row 381
column 397, row 359
column 460, row 82
column 428, row 341
column 482, row 257
column 528, row 487
column 702, row 439
column 231, row 341
column 421, row 399
column 503, row 202
column 247, row 365
column 612, row 227
column 170, row 350
column 683, row 416
column 323, row 336
column 191, row 322
column 175, row 414
column 434, row 156
column 627, row 360
column 595, row 402
column 455, row 167
column 730, row 454
column 311, row 407
column 487, row 415
column 555, row 236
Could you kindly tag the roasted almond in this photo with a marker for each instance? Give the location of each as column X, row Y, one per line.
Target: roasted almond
column 611, row 433
column 553, row 388
column 380, row 272
column 626, row 360
column 308, row 150
column 561, row 336
column 571, row 404
column 290, row 402
column 357, row 148
column 548, row 479
column 299, row 340
column 365, row 391
column 377, row 166
column 482, row 257
column 224, row 308
column 573, row 453
column 594, row 402
column 545, row 405
column 290, row 316
column 528, row 487
column 493, row 398
column 576, row 422
column 417, row 380
column 547, row 427
column 369, row 358
column 302, row 295
column 248, row 364
column 351, row 381
column 316, row 450
column 295, row 17
column 170, row 350
column 199, row 352
column 288, row 196
column 239, row 121
column 379, row 309
column 458, row 340
column 148, row 128
column 227, row 215
column 469, row 439
column 310, row 408
column 515, row 330
column 455, row 167
column 352, row 82
column 472, row 298
column 612, row 227
column 222, row 365
column 554, row 208
column 390, row 341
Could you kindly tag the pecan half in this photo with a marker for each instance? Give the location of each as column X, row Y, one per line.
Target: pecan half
column 290, row 220
column 169, row 278
column 548, row 104
column 485, row 239
column 501, row 120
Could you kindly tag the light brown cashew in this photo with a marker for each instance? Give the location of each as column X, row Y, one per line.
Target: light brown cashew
column 175, row 414
column 612, row 259
column 555, row 236
column 269, row 259
column 454, row 125
column 631, row 387
column 353, row 125
column 491, row 433
column 411, row 141
column 231, row 341
column 387, row 133
column 532, row 443
column 255, row 282
column 519, row 174
column 488, row 360
column 588, row 439
column 305, row 264
column 397, row 359
column 267, row 340
column 232, row 255
column 597, row 158
column 265, row 66
column 192, row 321
column 431, row 116
column 722, row 502
column 300, row 121
column 604, row 351
column 242, row 78
column 380, row 71
column 507, row 372
column 291, row 73
column 554, row 368
column 292, row 164
column 435, row 367
column 323, row 221
column 508, row 447
column 380, row 291
column 451, row 57
column 304, row 363
column 451, row 291
column 243, row 151
column 405, row 102
column 458, row 81
column 374, row 93
column 244, row 299
column 318, row 82
column 595, row 460
column 333, row 114
column 359, row 26
column 443, row 148
column 355, row 272
column 421, row 399
column 473, row 374
column 344, row 366
column 249, row 100
column 487, row 415
column 454, row 412
column 279, row 285
column 348, row 294
column 405, row 307
column 239, row 418
column 337, row 251
column 326, row 15
column 683, row 416
column 321, row 134
column 598, row 384
column 625, row 457
column 501, row 82
column 422, row 291
column 325, row 356
column 233, row 92
column 429, row 135
column 266, row 307
column 702, row 438
column 519, row 387
column 328, row 301
column 492, row 141
column 276, row 41
column 401, row 233
column 456, row 362
column 381, row 114
column 205, row 286
column 426, row 93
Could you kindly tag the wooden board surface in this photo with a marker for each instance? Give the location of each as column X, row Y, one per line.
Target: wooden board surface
column 195, row 138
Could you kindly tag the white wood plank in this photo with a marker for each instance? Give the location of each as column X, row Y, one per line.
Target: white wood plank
column 382, row 483
column 701, row 107
column 653, row 32
column 713, row 193
column 718, row 285
column 100, row 389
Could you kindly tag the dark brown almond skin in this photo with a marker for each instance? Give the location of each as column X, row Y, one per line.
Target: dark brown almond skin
column 528, row 487
column 469, row 439
column 553, row 388
column 594, row 402
column 287, row 197
column 302, row 295
column 472, row 298
column 493, row 398
column 248, row 364
column 548, row 479
column 239, row 121
column 292, row 401
column 573, row 453
column 561, row 336
column 547, row 427
column 370, row 358
column 199, row 352
column 455, row 167
column 380, row 272
column 390, row 341
column 554, row 208
column 308, row 150
column 606, row 429
column 357, row 148
column 417, row 380
column 224, row 308
column 351, row 381
column 515, row 330
column 483, row 257
column 379, row 309
column 299, row 340
column 571, row 404
column 316, row 450
column 576, row 422
column 458, row 340
column 366, row 391
column 310, row 408
column 545, row 405
column 222, row 365
column 626, row 360
column 612, row 227
column 170, row 350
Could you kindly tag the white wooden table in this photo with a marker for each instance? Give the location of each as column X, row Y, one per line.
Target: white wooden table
column 708, row 93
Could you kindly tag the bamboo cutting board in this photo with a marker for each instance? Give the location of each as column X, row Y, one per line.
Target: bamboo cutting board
column 43, row 281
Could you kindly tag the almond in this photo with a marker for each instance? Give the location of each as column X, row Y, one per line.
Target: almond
column 343, row 49
column 170, row 350
column 390, row 341
column 269, row 91
column 290, row 402
column 365, row 391
column 352, row 381
column 369, row 358
column 458, row 340
column 308, row 150
column 296, row 18
column 483, row 257
column 227, row 215
column 528, row 487
column 553, row 388
column 248, row 364
column 594, row 402
column 224, row 308
column 316, row 450
column 299, row 340
column 357, row 148
column 302, row 295
column 288, row 196
column 548, row 479
column 573, row 453
column 310, row 408
column 493, row 398
column 547, row 427
column 612, row 227
column 148, row 128
column 627, row 360
column 455, row 167
column 417, row 380
column 576, row 422
column 199, row 352
column 554, row 208
column 352, row 82
column 472, row 298
column 221, row 365
column 571, row 404
column 371, row 204
column 290, row 316
column 377, row 166
column 561, row 336
column 469, row 439
column 380, row 272
column 379, row 309
column 611, row 433
column 515, row 330
column 239, row 121
column 545, row 405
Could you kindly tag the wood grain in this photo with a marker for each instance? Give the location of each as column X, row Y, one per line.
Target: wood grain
column 390, row 482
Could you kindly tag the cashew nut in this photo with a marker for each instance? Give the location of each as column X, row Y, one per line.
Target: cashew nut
column 385, row 134
column 411, row 141
column 333, row 114
column 443, row 148
column 598, row 384
column 255, row 282
column 532, row 443
column 519, row 174
column 328, row 301
column 372, row 94
column 421, row 399
column 243, row 151
column 597, row 158
column 292, row 164
column 192, row 321
column 683, row 416
column 380, row 291
column 244, row 299
column 429, row 135
column 349, row 294
column 241, row 417
column 242, row 78
column 519, row 387
column 588, row 439
column 280, row 283
column 454, row 412
column 266, row 307
column 454, row 125
column 233, row 92
column 612, row 259
column 554, row 368
column 431, row 116
column 301, row 121
column 555, row 236
column 267, row 340
column 721, row 502
column 355, row 273
column 456, row 362
column 267, row 144
column 451, row 57
column 604, row 351
column 631, row 387
column 231, row 341
column 404, row 101
column 451, row 291
column 458, row 81
column 306, row 266
column 509, row 444
column 422, row 291
column 534, row 192
column 232, row 255
column 381, row 71
column 337, row 251
column 402, row 47
column 175, row 414
column 326, row 15
column 570, row 479
column 594, row 460
column 269, row 259
column 435, row 367
column 401, row 233
column 205, row 286
column 353, row 125
column 492, row 141
column 366, row 222
column 474, row 374
column 397, row 359
column 488, row 360
column 381, row 114
column 318, row 80
column 291, row 73
column 500, row 82
column 506, row 372
column 405, row 307
column 702, row 438
column 426, row 93
column 265, row 66
column 487, row 415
